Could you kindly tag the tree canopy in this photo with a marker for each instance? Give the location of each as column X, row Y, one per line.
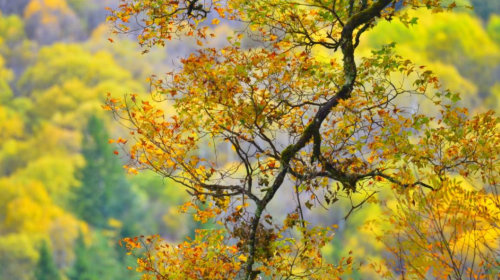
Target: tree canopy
column 317, row 130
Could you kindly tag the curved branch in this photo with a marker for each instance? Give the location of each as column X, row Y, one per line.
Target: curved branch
column 350, row 73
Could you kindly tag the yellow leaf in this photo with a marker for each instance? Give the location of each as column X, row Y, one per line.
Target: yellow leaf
column 159, row 113
column 242, row 258
column 215, row 21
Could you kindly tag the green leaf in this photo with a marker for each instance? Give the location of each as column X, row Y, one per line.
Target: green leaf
column 309, row 205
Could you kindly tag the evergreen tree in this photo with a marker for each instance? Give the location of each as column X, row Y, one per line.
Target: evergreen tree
column 105, row 192
column 109, row 266
column 46, row 267
column 97, row 261
column 82, row 268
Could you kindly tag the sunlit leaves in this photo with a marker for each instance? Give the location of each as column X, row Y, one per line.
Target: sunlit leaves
column 275, row 92
column 453, row 233
column 161, row 22
column 282, row 114
column 209, row 256
column 188, row 260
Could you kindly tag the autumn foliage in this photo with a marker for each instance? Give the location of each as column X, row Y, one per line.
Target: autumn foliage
column 318, row 130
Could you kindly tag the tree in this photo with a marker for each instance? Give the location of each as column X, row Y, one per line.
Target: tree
column 104, row 192
column 82, row 268
column 299, row 126
column 46, row 267
column 446, row 234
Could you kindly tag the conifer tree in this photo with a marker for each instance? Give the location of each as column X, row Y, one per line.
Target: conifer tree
column 46, row 268
column 82, row 267
column 105, row 193
column 85, row 266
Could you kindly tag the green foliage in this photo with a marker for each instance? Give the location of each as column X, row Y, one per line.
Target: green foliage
column 161, row 200
column 61, row 63
column 11, row 30
column 56, row 172
column 6, row 76
column 50, row 139
column 82, row 268
column 46, row 268
column 104, row 192
column 450, row 39
column 18, row 254
column 96, row 261
column 493, row 28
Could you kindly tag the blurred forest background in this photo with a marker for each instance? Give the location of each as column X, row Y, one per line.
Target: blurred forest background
column 65, row 200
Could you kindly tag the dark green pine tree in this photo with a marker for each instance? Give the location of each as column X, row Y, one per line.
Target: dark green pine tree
column 105, row 192
column 46, row 268
column 98, row 261
column 82, row 268
column 108, row 266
